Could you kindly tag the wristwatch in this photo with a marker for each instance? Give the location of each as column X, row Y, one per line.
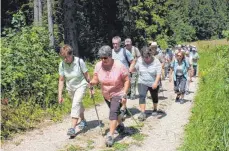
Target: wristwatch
column 124, row 96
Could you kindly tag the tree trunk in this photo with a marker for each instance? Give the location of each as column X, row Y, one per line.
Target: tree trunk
column 70, row 26
column 50, row 23
column 40, row 12
column 36, row 14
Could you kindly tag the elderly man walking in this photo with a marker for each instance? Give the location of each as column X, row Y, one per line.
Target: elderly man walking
column 136, row 54
column 125, row 57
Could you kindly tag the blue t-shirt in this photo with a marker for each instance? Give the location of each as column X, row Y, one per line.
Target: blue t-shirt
column 119, row 55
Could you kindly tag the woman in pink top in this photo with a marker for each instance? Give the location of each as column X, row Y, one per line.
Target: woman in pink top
column 114, row 79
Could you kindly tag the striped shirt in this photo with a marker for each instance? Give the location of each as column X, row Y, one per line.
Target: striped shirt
column 148, row 72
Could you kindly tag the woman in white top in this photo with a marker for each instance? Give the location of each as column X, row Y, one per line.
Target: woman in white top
column 149, row 70
column 74, row 71
column 180, row 67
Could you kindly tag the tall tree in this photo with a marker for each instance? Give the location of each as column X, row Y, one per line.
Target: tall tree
column 40, row 12
column 50, row 23
column 37, row 12
column 70, row 25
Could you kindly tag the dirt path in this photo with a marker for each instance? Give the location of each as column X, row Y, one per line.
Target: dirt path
column 160, row 133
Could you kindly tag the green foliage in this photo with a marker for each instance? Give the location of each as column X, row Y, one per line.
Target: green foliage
column 29, row 72
column 29, row 68
column 28, row 77
column 208, row 128
column 226, row 34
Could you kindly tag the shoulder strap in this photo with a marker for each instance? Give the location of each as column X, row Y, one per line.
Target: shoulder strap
column 124, row 53
column 82, row 71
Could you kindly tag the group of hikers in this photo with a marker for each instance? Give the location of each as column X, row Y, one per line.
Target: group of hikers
column 118, row 72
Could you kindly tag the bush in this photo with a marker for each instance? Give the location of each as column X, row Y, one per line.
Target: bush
column 29, row 81
column 29, row 68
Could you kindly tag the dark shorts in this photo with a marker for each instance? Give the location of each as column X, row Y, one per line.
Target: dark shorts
column 115, row 107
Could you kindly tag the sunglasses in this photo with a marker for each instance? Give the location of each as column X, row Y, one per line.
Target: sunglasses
column 103, row 58
column 179, row 56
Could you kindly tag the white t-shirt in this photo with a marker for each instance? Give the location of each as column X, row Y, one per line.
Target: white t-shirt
column 72, row 73
column 148, row 72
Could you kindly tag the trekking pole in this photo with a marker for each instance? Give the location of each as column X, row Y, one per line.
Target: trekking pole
column 131, row 115
column 93, row 98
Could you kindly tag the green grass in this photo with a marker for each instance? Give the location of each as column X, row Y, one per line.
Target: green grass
column 120, row 146
column 209, row 124
column 138, row 137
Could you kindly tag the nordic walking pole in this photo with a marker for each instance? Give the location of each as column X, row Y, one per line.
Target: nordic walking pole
column 93, row 98
column 131, row 115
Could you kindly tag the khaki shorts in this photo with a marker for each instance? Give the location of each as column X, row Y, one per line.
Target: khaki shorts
column 77, row 98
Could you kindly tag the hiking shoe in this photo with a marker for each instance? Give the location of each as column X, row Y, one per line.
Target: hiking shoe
column 82, row 124
column 142, row 116
column 177, row 99
column 187, row 93
column 132, row 97
column 71, row 132
column 109, row 141
column 181, row 101
column 120, row 128
column 154, row 113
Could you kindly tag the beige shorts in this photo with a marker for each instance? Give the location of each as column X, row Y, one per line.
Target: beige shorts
column 77, row 101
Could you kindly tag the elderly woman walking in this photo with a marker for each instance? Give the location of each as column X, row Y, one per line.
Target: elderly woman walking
column 149, row 69
column 114, row 79
column 74, row 71
column 181, row 70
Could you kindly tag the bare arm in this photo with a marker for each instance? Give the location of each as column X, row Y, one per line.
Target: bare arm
column 94, row 80
column 87, row 76
column 126, row 84
column 170, row 74
column 157, row 79
column 60, row 88
column 132, row 66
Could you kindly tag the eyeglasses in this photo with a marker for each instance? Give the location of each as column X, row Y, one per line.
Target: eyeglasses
column 103, row 58
column 179, row 56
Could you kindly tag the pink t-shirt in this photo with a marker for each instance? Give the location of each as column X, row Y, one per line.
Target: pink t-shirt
column 112, row 82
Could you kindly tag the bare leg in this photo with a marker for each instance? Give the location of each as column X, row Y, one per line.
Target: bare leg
column 155, row 106
column 142, row 107
column 113, row 125
column 74, row 122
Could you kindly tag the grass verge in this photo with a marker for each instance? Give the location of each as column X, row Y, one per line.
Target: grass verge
column 208, row 128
